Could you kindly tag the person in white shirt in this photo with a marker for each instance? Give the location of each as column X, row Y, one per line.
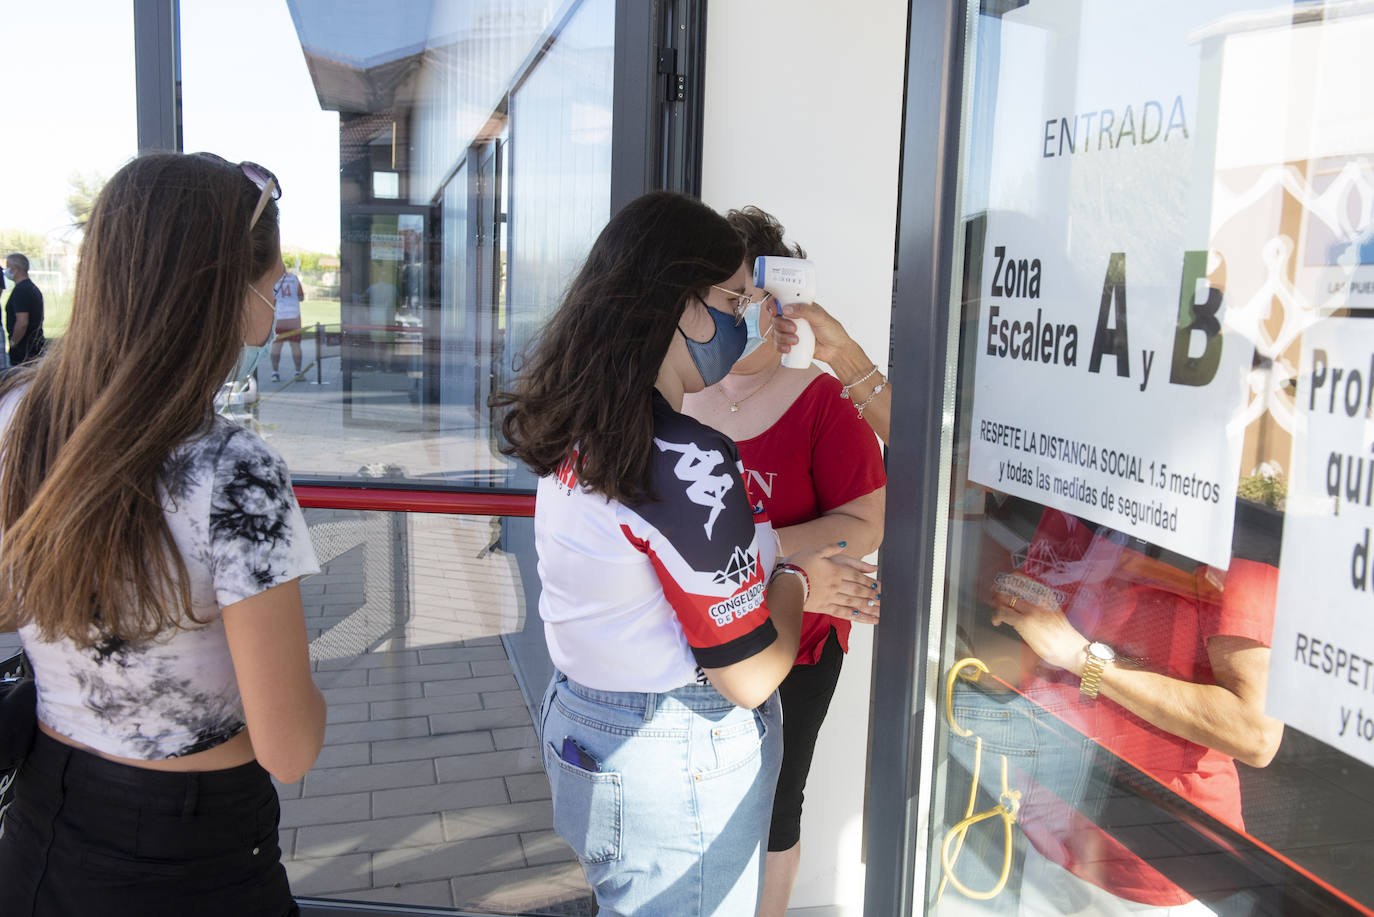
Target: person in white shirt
column 289, row 294
column 152, row 559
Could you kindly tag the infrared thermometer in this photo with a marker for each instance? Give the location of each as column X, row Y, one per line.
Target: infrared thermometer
column 790, row 280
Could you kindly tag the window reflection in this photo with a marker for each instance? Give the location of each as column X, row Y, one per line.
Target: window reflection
column 1127, row 548
column 419, row 298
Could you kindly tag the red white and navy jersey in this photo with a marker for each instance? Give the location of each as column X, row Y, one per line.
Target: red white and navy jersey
column 640, row 598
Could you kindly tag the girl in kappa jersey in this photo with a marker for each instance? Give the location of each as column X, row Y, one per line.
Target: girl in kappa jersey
column 151, row 553
column 819, row 471
column 668, row 616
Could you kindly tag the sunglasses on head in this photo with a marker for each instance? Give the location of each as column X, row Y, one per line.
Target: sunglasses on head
column 261, row 177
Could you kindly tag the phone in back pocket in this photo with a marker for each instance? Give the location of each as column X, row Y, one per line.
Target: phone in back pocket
column 576, row 754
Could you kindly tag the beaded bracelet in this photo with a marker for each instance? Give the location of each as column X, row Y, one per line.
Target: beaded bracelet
column 844, row 391
column 873, row 394
column 798, row 572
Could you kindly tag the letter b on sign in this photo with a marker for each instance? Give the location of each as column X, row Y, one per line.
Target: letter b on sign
column 1195, row 317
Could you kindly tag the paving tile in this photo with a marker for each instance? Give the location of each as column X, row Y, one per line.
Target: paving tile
column 517, row 737
column 437, row 672
column 346, row 713
column 479, row 653
column 432, row 746
column 513, row 818
column 376, row 730
column 343, row 755
column 362, row 777
column 444, row 861
column 545, row 847
column 373, row 693
column 525, row 787
column 373, row 661
column 437, row 893
column 499, row 719
column 513, row 761
column 321, row 810
column 496, row 699
column 349, row 678
column 440, row 797
column 526, row 890
column 424, row 706
column 471, row 685
column 371, row 835
column 329, row 875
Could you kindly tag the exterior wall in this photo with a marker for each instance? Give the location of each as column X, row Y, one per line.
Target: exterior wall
column 818, row 147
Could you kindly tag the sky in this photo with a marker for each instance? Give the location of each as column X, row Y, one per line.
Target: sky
column 246, row 94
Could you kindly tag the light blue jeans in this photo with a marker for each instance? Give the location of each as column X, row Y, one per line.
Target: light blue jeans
column 675, row 821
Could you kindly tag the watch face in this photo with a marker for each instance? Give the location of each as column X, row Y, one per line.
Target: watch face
column 1102, row 651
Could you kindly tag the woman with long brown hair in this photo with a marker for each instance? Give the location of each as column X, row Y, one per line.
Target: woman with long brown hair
column 151, row 553
column 668, row 618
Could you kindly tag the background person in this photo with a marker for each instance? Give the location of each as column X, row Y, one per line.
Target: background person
column 153, row 552
column 288, row 294
column 23, row 312
column 818, row 471
column 665, row 617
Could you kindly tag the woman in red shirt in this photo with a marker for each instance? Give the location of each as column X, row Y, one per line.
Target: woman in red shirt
column 813, row 462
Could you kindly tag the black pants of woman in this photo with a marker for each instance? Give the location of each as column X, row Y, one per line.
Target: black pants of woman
column 806, row 693
column 88, row 836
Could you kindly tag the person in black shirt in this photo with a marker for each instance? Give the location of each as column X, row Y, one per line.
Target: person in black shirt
column 23, row 312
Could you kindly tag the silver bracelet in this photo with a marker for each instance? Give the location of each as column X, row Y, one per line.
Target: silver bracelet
column 874, row 394
column 844, row 390
column 799, row 573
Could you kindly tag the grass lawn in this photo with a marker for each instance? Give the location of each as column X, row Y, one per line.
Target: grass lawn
column 57, row 311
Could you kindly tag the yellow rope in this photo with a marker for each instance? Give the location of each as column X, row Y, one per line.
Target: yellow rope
column 1007, row 804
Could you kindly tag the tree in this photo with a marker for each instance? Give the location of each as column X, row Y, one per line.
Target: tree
column 81, row 199
column 31, row 244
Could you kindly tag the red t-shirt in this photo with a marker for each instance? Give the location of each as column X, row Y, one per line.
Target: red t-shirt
column 1146, row 612
column 819, row 455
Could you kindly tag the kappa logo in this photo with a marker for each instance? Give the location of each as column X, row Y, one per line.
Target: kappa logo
column 694, row 468
column 738, row 570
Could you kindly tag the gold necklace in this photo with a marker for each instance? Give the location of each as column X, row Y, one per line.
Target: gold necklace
column 736, row 402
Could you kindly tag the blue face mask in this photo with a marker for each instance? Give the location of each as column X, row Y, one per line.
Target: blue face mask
column 752, row 312
column 714, row 358
column 251, row 354
column 9, row 274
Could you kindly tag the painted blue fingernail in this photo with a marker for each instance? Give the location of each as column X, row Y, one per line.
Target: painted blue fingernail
column 880, row 595
column 872, row 585
column 842, row 544
column 871, row 603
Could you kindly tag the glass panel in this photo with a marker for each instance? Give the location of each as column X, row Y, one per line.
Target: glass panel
column 430, row 788
column 70, row 128
column 1161, row 426
column 388, row 127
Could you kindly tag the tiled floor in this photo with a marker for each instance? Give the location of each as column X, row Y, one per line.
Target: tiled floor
column 429, row 789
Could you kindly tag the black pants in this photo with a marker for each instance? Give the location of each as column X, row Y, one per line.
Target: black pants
column 805, row 694
column 88, row 836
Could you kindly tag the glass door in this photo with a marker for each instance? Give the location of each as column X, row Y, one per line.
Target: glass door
column 1149, row 647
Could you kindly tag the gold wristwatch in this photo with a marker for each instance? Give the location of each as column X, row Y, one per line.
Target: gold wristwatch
column 1098, row 657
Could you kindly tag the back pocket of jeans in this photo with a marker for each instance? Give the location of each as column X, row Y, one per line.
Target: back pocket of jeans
column 587, row 808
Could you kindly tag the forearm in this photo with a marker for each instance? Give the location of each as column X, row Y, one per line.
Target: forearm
column 853, row 364
column 860, row 536
column 1209, row 715
column 21, row 327
column 785, row 598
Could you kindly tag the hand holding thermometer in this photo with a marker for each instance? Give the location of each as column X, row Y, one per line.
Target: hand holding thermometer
column 790, row 280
